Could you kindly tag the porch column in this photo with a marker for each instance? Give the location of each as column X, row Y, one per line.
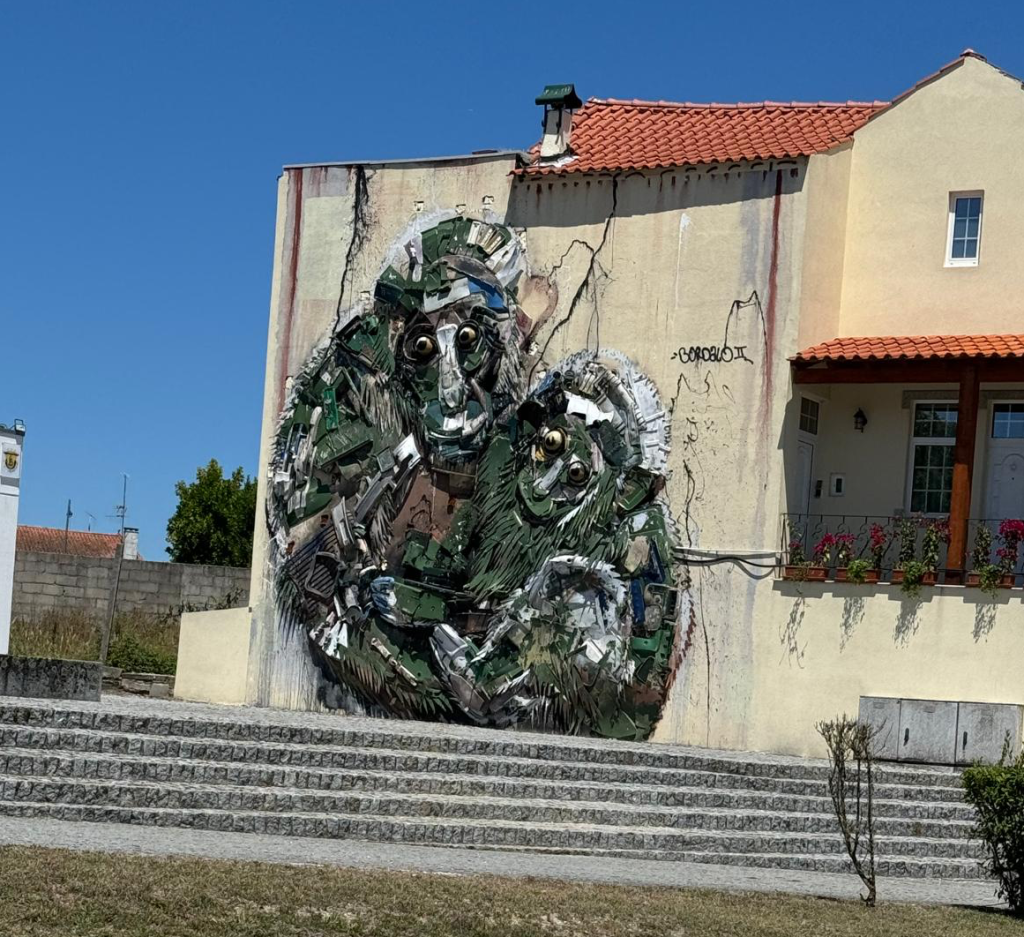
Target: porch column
column 963, row 469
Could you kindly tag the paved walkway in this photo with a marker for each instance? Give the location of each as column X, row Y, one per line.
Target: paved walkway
column 158, row 841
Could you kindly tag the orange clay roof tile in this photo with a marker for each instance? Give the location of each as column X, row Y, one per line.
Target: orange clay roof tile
column 609, row 135
column 79, row 542
column 913, row 347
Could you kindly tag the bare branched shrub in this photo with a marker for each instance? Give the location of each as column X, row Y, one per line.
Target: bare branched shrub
column 851, row 787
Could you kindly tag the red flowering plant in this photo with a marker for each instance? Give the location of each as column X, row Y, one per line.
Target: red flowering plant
column 878, row 543
column 1011, row 532
column 824, row 549
column 796, row 552
column 844, row 548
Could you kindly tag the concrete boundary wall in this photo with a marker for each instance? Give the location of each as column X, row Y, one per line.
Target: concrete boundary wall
column 47, row 581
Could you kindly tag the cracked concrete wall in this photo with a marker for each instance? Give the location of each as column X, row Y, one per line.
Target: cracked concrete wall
column 697, row 277
column 335, row 225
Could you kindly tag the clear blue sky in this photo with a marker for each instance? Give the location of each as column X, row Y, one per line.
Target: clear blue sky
column 140, row 143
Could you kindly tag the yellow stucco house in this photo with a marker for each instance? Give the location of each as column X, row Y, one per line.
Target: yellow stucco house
column 827, row 297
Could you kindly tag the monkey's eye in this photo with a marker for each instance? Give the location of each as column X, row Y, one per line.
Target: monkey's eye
column 578, row 473
column 553, row 442
column 422, row 347
column 467, row 336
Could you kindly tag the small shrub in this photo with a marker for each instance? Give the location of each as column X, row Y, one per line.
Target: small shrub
column 913, row 574
column 989, row 577
column 982, row 553
column 997, row 794
column 851, row 785
column 906, row 531
column 131, row 654
column 857, row 570
column 935, row 534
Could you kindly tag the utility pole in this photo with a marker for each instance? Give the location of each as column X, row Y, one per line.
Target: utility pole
column 121, row 510
column 67, row 524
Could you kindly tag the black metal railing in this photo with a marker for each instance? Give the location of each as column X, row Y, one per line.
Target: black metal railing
column 886, row 540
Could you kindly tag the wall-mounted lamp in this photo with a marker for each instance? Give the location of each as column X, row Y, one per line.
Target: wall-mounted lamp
column 860, row 420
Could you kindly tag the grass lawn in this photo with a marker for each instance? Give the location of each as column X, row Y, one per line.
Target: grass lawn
column 73, row 894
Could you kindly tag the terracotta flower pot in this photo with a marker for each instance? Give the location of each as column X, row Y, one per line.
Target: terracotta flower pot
column 803, row 573
column 1006, row 581
column 870, row 576
column 929, row 578
column 973, row 579
column 897, row 577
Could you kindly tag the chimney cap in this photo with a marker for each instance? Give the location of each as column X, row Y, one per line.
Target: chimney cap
column 559, row 96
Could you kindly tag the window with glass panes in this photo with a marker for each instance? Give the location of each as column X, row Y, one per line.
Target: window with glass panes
column 964, row 229
column 932, row 447
column 1008, row 421
column 809, row 410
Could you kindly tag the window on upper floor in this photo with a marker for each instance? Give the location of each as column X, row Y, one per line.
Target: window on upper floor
column 963, row 242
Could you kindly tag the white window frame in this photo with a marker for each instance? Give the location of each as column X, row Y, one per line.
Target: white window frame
column 924, row 441
column 995, row 402
column 952, row 261
column 799, row 415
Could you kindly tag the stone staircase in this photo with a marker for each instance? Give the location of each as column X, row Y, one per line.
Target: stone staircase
column 301, row 774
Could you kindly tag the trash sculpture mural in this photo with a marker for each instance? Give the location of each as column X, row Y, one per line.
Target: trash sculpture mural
column 459, row 545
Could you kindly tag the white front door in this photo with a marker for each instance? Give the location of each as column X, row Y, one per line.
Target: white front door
column 804, row 474
column 1004, row 478
column 1005, row 488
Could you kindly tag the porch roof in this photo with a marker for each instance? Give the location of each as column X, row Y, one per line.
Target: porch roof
column 911, row 359
column 912, row 348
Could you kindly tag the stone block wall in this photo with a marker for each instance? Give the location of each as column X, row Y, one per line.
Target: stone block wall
column 46, row 581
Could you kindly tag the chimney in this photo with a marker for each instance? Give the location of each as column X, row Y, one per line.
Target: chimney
column 131, row 543
column 559, row 102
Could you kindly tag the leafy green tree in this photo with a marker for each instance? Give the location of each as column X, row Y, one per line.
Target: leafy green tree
column 214, row 520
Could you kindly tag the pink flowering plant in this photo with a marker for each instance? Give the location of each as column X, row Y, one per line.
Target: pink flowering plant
column 844, row 548
column 823, row 550
column 878, row 543
column 1011, row 532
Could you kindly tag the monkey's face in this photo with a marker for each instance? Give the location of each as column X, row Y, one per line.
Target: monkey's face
column 449, row 359
column 562, row 468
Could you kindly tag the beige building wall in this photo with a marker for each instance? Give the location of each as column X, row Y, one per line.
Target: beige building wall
column 962, row 131
column 213, row 656
column 822, row 647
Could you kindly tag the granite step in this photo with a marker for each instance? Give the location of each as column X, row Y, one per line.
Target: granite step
column 394, row 735
column 16, row 762
column 311, row 756
column 190, row 797
column 504, row 834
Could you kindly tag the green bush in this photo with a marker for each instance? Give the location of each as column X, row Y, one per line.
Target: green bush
column 857, row 570
column 997, row 794
column 132, row 655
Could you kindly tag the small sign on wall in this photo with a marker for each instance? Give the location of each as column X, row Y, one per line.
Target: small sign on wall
column 10, row 461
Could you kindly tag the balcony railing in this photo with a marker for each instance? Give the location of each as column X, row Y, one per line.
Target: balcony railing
column 801, row 533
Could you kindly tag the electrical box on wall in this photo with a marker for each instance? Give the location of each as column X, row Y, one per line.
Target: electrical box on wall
column 836, row 485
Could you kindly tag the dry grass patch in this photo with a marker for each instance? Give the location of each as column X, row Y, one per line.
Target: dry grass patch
column 139, row 641
column 48, row 892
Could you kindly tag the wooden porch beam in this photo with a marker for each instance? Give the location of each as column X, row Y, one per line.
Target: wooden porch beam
column 909, row 372
column 963, row 466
